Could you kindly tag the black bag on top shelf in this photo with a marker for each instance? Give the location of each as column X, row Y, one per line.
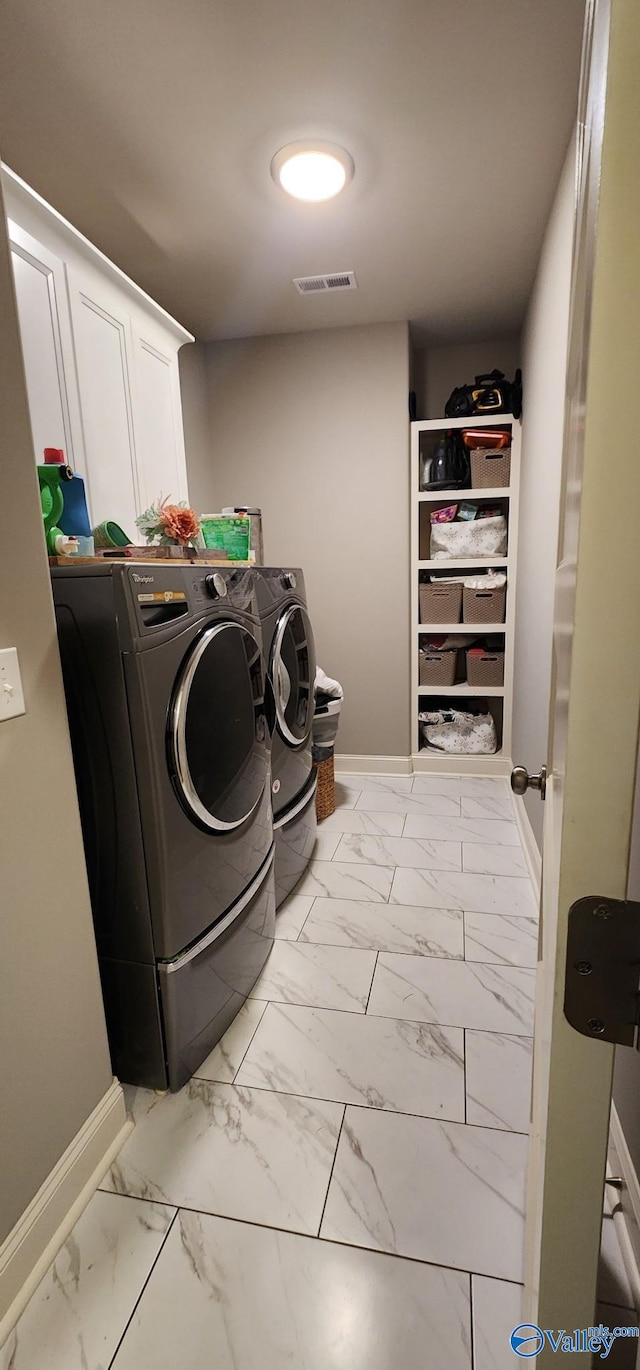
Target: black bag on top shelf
column 490, row 394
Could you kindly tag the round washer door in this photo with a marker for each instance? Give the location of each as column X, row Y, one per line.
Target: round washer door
column 218, row 730
column 293, row 672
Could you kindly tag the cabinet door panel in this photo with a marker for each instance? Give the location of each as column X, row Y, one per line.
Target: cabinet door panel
column 101, row 339
column 45, row 334
column 159, row 436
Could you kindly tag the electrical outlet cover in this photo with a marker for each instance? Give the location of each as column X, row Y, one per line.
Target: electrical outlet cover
column 11, row 696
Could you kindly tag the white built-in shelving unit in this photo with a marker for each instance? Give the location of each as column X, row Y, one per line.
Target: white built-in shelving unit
column 424, row 434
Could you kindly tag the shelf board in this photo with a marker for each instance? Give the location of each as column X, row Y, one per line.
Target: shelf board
column 488, row 691
column 471, row 421
column 453, row 496
column 469, row 629
column 450, row 563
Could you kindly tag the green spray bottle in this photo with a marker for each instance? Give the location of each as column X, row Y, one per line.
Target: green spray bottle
column 51, row 477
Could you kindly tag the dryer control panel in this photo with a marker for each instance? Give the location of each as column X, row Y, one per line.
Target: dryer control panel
column 162, row 594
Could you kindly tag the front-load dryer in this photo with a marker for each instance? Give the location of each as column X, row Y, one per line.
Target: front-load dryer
column 291, row 667
column 165, row 687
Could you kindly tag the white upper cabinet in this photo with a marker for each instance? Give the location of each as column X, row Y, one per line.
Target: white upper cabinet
column 103, row 349
column 159, row 432
column 101, row 363
column 47, row 347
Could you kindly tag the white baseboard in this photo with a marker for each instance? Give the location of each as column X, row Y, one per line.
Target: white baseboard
column 626, row 1209
column 529, row 845
column 373, row 765
column 34, row 1242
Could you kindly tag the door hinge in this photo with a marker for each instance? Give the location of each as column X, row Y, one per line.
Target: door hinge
column 602, row 975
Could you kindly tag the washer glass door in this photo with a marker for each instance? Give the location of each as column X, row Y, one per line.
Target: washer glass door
column 293, row 672
column 218, row 735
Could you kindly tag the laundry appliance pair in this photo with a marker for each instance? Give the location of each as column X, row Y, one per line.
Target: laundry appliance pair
column 174, row 714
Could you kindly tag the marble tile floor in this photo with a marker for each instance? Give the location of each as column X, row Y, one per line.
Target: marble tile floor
column 342, row 1183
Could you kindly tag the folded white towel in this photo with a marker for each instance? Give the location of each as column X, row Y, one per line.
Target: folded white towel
column 327, row 685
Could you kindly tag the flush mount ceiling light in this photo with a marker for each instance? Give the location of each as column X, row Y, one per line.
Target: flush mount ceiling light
column 312, row 171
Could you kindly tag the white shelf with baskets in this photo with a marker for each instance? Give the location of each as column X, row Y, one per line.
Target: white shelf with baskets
column 499, row 697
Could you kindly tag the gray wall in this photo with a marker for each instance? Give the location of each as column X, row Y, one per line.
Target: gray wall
column 437, row 370
column 55, row 1061
column 544, row 358
column 313, row 428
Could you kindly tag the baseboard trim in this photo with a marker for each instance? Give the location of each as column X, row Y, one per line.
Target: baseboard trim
column 529, row 845
column 624, row 1214
column 373, row 765
column 34, row 1242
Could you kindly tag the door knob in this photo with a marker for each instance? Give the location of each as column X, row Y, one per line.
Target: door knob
column 521, row 781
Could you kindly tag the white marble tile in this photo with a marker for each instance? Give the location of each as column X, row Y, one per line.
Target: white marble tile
column 400, row 851
column 487, row 858
column 497, row 1310
column 439, row 806
column 342, row 880
column 78, row 1313
column 462, row 829
column 291, row 915
column 317, row 976
column 489, row 806
column 455, row 993
column 325, row 845
column 507, row 894
column 437, row 1191
column 355, row 820
column 245, row 1298
column 352, row 1058
column 344, row 797
column 498, row 938
column 498, row 1080
column 469, row 786
column 240, row 1153
column 386, row 784
column 385, row 927
column 222, row 1063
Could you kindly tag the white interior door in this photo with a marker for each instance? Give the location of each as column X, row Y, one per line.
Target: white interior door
column 595, row 706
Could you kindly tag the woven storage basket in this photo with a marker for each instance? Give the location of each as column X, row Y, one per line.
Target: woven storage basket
column 440, row 603
column 490, row 468
column 326, row 791
column 487, row 669
column 484, row 606
column 437, row 668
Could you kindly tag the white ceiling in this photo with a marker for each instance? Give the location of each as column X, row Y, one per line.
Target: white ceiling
column 151, row 124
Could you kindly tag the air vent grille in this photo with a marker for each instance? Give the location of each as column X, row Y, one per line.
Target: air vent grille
column 339, row 280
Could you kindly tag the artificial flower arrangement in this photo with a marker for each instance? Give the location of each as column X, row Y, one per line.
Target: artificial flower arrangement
column 170, row 524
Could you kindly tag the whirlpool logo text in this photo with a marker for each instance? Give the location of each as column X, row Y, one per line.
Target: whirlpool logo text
column 527, row 1340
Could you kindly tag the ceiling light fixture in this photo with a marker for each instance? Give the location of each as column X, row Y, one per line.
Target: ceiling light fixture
column 312, row 171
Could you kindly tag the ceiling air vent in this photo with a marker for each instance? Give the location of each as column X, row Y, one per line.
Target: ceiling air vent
column 339, row 280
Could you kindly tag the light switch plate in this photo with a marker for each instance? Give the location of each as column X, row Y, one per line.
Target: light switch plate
column 11, row 696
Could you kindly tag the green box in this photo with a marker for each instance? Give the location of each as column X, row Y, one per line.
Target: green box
column 223, row 533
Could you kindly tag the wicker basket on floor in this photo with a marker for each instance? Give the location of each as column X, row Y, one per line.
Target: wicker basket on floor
column 326, row 791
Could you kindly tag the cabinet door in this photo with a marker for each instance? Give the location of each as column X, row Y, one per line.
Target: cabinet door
column 45, row 333
column 101, row 329
column 158, row 417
